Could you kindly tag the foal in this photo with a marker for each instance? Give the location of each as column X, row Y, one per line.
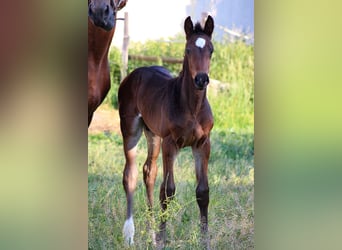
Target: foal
column 173, row 113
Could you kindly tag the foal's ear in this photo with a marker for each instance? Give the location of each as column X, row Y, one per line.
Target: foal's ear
column 209, row 26
column 188, row 27
column 121, row 4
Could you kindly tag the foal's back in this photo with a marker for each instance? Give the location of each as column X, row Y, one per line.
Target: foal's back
column 144, row 79
column 145, row 93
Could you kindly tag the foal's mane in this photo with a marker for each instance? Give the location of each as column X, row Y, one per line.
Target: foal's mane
column 198, row 28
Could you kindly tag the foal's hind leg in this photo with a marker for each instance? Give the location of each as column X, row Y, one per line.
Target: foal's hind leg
column 131, row 128
column 150, row 173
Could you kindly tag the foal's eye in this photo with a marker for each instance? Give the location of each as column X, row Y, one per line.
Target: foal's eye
column 187, row 51
column 211, row 50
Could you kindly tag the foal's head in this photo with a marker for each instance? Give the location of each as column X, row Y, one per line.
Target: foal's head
column 198, row 50
column 103, row 12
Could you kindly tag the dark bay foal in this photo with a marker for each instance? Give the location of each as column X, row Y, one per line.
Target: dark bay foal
column 173, row 113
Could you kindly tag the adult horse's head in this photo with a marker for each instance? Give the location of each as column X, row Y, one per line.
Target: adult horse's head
column 198, row 50
column 103, row 12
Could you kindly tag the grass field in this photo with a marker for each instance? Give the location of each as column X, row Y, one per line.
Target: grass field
column 231, row 173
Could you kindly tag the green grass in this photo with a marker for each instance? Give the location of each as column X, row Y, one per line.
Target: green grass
column 231, row 214
column 231, row 165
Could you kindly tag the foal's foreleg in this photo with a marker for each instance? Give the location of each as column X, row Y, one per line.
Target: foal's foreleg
column 201, row 155
column 167, row 188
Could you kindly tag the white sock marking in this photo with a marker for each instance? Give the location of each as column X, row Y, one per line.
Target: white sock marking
column 200, row 42
column 128, row 231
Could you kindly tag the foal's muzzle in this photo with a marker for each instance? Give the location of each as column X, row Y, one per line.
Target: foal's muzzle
column 201, row 81
column 102, row 16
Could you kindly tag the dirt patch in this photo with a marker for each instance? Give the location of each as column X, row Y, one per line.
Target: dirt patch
column 105, row 119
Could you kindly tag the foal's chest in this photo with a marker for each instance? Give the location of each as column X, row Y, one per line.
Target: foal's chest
column 188, row 134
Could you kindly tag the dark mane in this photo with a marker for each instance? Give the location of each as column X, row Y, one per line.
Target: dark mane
column 198, row 28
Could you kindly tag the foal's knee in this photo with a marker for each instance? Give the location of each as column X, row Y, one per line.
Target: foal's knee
column 202, row 195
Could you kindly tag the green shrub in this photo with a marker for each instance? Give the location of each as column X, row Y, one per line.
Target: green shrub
column 115, row 64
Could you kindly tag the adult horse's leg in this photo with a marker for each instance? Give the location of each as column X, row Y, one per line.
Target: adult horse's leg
column 150, row 173
column 201, row 155
column 131, row 128
column 167, row 188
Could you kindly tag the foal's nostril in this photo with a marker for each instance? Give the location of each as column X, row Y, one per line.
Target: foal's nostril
column 206, row 78
column 106, row 12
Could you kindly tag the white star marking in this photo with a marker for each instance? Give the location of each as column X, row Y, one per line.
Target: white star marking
column 200, row 42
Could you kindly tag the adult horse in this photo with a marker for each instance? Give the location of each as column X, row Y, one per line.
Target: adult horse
column 173, row 113
column 101, row 27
